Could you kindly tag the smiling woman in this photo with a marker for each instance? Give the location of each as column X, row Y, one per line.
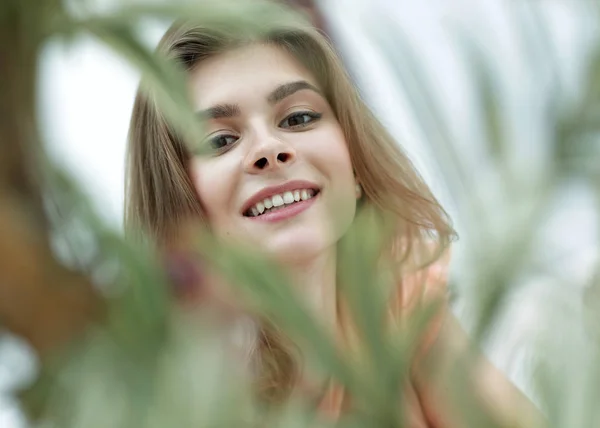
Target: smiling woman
column 290, row 155
column 279, row 150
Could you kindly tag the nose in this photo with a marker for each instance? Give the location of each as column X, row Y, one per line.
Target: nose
column 270, row 154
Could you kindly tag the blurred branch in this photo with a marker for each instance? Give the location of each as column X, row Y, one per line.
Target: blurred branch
column 39, row 298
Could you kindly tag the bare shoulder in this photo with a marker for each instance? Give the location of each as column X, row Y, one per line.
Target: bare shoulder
column 450, row 354
column 446, row 350
column 425, row 288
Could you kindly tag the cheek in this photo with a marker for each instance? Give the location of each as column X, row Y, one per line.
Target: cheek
column 332, row 158
column 215, row 186
column 335, row 160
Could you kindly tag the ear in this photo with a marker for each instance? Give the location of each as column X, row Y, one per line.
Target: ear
column 358, row 188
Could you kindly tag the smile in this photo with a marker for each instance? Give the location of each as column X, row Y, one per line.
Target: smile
column 283, row 205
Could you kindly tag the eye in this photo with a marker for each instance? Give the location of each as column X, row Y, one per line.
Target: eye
column 299, row 119
column 221, row 143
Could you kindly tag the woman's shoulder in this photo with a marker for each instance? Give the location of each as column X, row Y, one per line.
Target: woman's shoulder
column 422, row 274
column 418, row 288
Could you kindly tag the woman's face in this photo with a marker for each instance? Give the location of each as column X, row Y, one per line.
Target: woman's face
column 279, row 176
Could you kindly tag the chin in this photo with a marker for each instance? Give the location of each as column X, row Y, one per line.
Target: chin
column 299, row 248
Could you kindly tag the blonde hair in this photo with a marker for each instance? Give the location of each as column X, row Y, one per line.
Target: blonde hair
column 160, row 195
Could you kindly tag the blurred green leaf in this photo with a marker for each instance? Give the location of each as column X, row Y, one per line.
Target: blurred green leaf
column 487, row 93
column 160, row 77
column 367, row 285
column 138, row 314
column 269, row 288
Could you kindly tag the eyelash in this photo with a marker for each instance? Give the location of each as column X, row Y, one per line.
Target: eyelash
column 312, row 115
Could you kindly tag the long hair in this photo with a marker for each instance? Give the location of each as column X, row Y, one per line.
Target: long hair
column 160, row 194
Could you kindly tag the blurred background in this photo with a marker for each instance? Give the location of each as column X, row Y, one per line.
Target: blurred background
column 531, row 49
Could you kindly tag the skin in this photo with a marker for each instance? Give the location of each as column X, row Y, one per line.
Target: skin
column 268, row 143
column 488, row 388
column 448, row 352
column 257, row 147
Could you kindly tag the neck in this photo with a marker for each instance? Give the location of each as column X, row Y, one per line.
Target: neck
column 315, row 280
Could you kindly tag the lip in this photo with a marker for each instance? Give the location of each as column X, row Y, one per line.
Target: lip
column 267, row 192
column 287, row 212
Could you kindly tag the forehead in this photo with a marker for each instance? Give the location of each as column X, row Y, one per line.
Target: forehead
column 254, row 70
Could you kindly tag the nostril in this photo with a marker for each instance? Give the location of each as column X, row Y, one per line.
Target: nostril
column 268, row 161
column 261, row 163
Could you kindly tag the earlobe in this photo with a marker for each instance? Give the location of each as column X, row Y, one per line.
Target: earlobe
column 358, row 190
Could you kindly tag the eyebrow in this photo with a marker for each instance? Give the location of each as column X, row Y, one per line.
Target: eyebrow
column 287, row 89
column 277, row 95
column 220, row 111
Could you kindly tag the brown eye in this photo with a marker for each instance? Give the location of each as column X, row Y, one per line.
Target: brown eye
column 221, row 142
column 297, row 120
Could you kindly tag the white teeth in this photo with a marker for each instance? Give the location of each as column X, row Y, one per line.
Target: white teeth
column 277, row 201
column 288, row 198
